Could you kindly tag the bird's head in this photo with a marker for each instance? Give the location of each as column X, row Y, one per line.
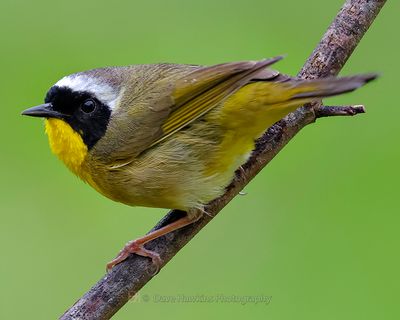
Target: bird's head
column 77, row 110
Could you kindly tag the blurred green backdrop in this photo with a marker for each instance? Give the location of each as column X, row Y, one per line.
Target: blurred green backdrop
column 318, row 229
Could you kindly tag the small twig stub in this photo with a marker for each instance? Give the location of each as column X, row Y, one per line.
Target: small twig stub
column 332, row 111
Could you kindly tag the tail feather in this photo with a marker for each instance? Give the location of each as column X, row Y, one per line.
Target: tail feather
column 327, row 87
column 260, row 104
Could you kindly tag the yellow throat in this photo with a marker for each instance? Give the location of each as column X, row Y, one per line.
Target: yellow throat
column 67, row 144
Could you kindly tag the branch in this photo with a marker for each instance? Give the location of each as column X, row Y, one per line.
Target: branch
column 330, row 111
column 108, row 295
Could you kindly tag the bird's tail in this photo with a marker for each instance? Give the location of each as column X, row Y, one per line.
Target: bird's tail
column 293, row 91
column 326, row 87
column 266, row 102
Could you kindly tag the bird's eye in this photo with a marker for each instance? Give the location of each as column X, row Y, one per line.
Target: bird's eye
column 88, row 106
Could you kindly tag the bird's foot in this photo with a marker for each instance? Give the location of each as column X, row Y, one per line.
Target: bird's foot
column 137, row 247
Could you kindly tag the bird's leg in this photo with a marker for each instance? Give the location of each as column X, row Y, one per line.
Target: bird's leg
column 137, row 246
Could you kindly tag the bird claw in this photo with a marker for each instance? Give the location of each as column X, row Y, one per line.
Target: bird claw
column 138, row 248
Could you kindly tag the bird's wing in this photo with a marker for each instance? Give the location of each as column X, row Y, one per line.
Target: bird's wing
column 188, row 98
column 200, row 91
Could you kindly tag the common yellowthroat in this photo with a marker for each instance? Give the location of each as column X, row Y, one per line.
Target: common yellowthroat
column 170, row 135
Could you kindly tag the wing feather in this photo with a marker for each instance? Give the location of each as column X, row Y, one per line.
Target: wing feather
column 168, row 98
column 202, row 90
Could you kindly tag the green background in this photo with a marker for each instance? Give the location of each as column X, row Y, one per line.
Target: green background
column 318, row 229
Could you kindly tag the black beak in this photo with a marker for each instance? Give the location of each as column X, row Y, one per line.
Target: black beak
column 43, row 111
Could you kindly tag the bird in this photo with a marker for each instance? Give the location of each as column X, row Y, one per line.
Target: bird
column 170, row 135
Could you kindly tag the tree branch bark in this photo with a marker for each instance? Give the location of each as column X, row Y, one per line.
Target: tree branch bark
column 333, row 111
column 111, row 292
